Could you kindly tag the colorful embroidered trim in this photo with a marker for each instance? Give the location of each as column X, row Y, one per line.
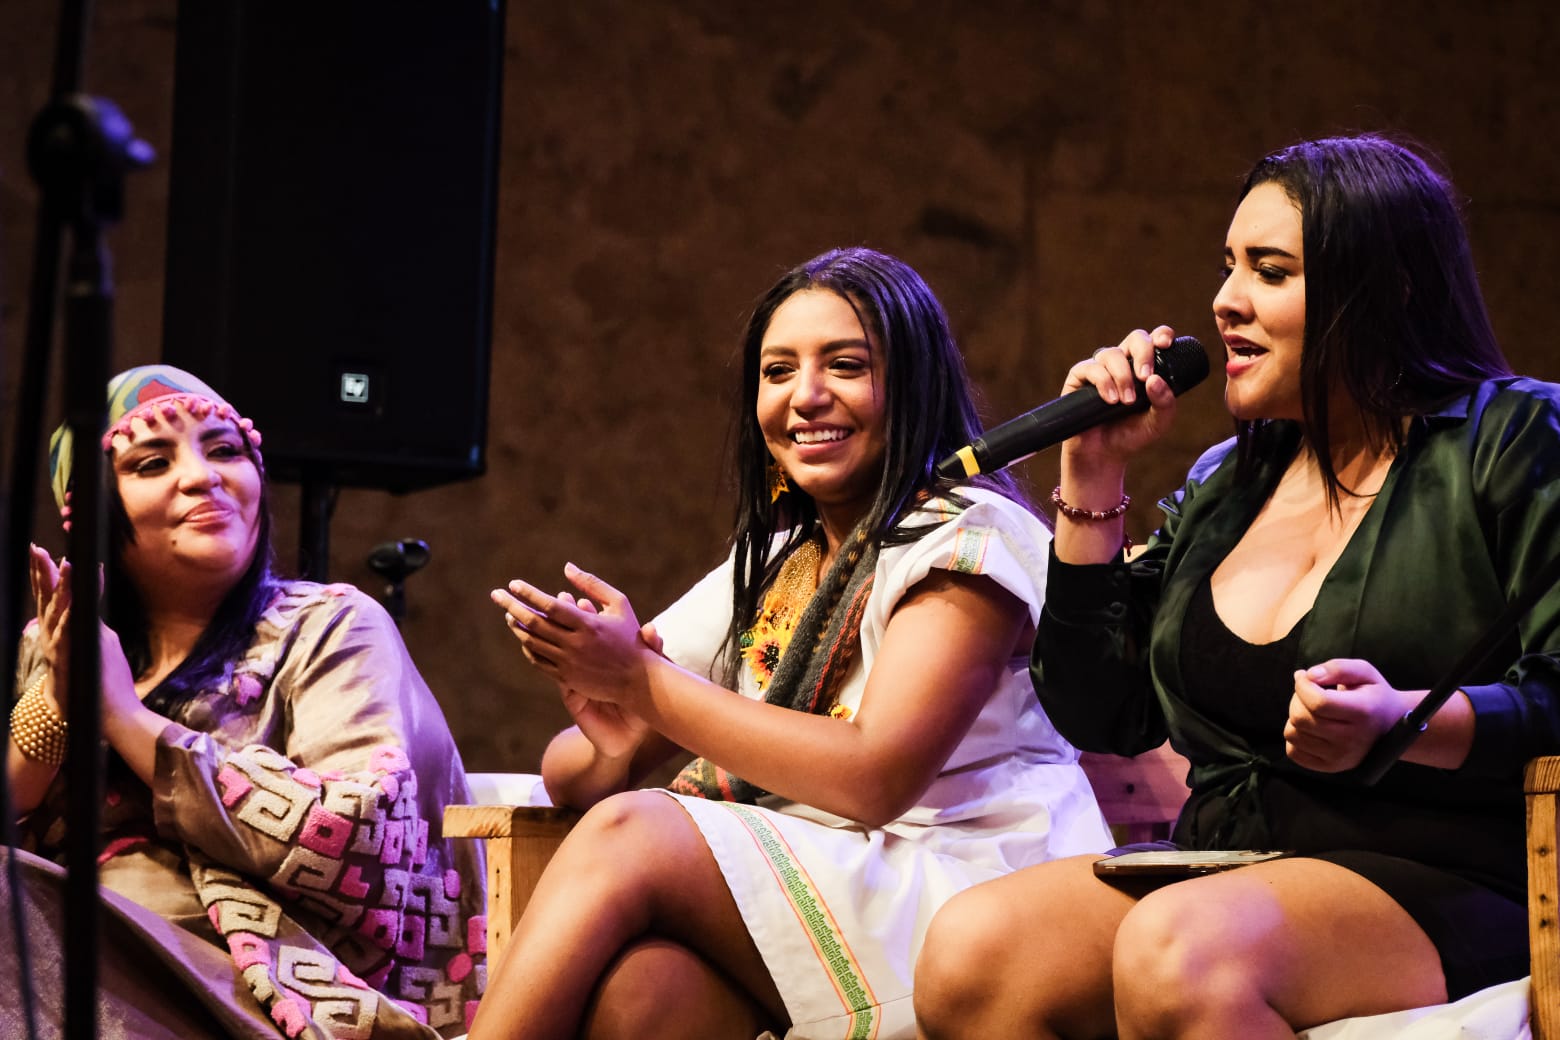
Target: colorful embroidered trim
column 839, row 963
column 969, row 551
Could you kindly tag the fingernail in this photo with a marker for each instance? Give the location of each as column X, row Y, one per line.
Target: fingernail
column 569, row 568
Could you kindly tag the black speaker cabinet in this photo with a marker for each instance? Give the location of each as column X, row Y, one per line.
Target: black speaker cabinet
column 330, row 240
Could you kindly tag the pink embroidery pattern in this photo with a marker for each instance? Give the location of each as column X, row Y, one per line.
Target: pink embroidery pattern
column 233, row 784
column 248, row 949
column 290, row 1015
column 246, row 689
column 325, row 832
column 119, row 845
column 357, row 857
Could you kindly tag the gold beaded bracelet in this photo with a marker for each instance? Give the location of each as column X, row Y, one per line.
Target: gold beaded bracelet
column 37, row 729
column 1075, row 513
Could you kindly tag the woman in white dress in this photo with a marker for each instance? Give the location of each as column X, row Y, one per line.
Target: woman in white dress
column 893, row 756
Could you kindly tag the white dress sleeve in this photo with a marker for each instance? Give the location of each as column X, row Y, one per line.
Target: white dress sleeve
column 693, row 628
column 995, row 537
column 1004, row 541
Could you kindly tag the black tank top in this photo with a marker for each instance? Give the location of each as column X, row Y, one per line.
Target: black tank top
column 1244, row 687
column 1414, row 813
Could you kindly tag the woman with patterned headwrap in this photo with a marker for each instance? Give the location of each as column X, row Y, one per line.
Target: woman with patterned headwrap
column 278, row 767
column 853, row 679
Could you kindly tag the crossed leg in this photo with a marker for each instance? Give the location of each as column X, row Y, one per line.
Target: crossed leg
column 1261, row 951
column 1266, row 950
column 631, row 924
column 1024, row 956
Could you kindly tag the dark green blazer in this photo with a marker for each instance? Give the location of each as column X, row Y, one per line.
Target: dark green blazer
column 1469, row 510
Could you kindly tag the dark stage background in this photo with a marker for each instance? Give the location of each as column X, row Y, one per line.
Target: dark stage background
column 1060, row 172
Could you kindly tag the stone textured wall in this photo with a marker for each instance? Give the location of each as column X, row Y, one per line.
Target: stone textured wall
column 1060, row 172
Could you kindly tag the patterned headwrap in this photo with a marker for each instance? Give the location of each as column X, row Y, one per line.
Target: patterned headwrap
column 150, row 393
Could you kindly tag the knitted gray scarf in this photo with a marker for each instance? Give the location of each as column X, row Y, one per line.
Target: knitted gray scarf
column 809, row 673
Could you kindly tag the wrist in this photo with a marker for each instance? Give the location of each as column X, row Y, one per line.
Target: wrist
column 55, row 684
column 1094, row 484
column 1083, row 458
column 641, row 699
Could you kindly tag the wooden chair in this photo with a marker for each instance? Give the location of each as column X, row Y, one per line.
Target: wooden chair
column 520, row 840
column 1139, row 797
column 1541, row 781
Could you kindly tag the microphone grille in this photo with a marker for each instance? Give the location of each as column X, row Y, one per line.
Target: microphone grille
column 1183, row 364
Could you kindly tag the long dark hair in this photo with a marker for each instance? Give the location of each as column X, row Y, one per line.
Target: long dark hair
column 226, row 637
column 930, row 406
column 1393, row 311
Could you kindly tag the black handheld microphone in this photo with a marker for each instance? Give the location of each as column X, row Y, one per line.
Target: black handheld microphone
column 1183, row 364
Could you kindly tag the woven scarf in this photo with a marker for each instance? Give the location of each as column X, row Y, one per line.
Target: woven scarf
column 809, row 673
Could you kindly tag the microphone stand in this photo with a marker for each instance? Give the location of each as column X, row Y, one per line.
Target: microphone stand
column 79, row 149
column 1391, row 744
column 395, row 562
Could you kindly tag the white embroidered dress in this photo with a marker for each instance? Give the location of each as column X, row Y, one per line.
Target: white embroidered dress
column 838, row 910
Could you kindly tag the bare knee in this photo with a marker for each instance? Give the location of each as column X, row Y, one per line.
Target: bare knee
column 623, row 1004
column 1175, row 958
column 622, row 853
column 1292, row 943
column 629, row 813
column 659, row 989
column 1024, row 955
column 628, row 833
column 954, row 979
column 983, row 969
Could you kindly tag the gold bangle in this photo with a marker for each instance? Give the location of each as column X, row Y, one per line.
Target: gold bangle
column 36, row 728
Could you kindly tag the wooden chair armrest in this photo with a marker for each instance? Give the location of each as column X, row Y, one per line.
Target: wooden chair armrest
column 1541, row 782
column 1139, row 796
column 520, row 839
